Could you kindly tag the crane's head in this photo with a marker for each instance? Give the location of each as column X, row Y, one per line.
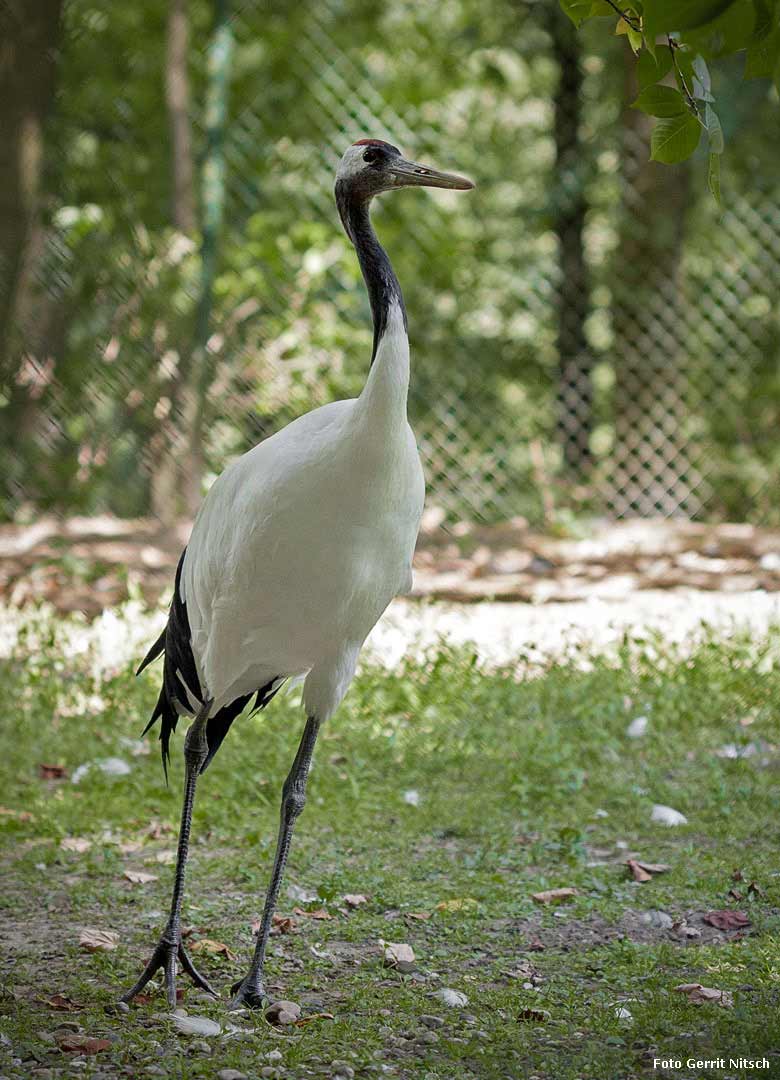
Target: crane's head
column 371, row 166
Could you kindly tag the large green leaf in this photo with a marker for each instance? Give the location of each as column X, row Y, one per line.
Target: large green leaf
column 577, row 10
column 727, row 34
column 675, row 139
column 763, row 50
column 660, row 101
column 665, row 16
column 651, row 69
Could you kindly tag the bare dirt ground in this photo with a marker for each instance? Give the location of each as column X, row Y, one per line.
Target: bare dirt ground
column 89, row 564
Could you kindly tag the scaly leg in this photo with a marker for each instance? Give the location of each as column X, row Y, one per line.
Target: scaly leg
column 169, row 947
column 250, row 990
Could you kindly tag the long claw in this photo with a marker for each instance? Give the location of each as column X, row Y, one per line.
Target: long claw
column 200, row 981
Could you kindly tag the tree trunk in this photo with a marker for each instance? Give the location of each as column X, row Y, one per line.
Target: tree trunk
column 167, row 447
column 575, row 361
column 29, row 35
column 650, row 453
column 177, row 98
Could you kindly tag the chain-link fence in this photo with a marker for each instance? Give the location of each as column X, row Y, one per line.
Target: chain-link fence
column 588, row 332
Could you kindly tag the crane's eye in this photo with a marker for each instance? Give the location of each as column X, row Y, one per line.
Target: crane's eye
column 370, row 157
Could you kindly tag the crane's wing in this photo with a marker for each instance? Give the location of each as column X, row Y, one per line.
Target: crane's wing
column 181, row 687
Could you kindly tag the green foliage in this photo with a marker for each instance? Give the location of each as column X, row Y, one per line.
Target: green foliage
column 695, row 31
column 675, row 138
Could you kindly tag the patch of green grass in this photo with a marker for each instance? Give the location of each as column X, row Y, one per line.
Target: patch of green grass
column 524, row 785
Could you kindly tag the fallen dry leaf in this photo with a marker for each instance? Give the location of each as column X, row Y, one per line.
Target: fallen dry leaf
column 535, row 945
column 737, row 875
column 139, row 877
column 320, row 913
column 81, row 1044
column 727, row 920
column 754, row 889
column 554, row 896
column 462, row 903
column 165, row 858
column 643, row 871
column 397, row 953
column 52, row 772
column 159, row 828
column 314, row 1016
column 129, row 847
column 94, row 940
column 354, row 900
column 421, row 916
column 700, row 995
column 75, row 843
column 213, row 948
column 62, row 1003
column 20, row 815
column 282, row 924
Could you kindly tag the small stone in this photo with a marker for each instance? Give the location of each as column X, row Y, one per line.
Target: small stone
column 199, row 1046
column 666, row 815
column 283, row 1012
column 269, row 1070
column 431, row 1021
column 230, row 1074
column 274, row 1055
column 342, row 1069
column 428, row 1037
column 155, row 1070
column 116, row 1007
column 658, row 919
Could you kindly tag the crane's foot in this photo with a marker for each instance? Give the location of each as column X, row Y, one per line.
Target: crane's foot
column 248, row 995
column 165, row 956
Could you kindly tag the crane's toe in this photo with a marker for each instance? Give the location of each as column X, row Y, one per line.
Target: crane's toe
column 165, row 956
column 248, row 996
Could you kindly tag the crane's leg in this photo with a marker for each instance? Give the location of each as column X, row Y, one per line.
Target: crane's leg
column 169, row 947
column 250, row 991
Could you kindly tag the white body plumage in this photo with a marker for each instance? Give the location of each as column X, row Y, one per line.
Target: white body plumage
column 302, row 543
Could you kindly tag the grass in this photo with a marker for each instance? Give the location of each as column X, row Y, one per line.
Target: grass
column 523, row 786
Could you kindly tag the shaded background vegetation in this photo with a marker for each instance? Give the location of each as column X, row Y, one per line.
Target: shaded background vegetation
column 589, row 332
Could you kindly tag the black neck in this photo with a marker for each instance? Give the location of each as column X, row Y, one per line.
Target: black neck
column 378, row 274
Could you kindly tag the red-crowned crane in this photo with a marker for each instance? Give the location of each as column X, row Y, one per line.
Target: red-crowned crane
column 297, row 550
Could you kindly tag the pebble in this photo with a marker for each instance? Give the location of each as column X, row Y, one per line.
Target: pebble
column 428, row 1037
column 342, row 1069
column 283, row 1012
column 230, row 1074
column 659, row 919
column 274, row 1055
column 431, row 1021
column 269, row 1070
column 155, row 1070
column 199, row 1046
column 115, row 1008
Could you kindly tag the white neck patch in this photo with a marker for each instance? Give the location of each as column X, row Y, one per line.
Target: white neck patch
column 351, row 163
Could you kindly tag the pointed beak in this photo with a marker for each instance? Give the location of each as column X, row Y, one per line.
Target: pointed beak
column 410, row 174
